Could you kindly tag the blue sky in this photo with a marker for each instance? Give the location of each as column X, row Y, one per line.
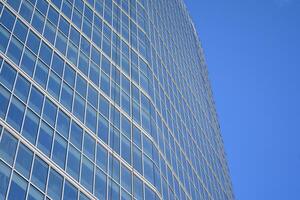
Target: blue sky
column 252, row 50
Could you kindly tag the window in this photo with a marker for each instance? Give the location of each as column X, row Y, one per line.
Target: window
column 100, row 185
column 57, row 64
column 4, row 34
column 14, row 50
column 81, row 86
column 34, row 194
column 49, row 112
column 87, row 174
column 78, row 107
column 33, row 42
column 104, row 106
column 125, row 127
column 101, row 157
column 59, row 151
column 73, row 164
column 66, row 97
column 39, row 173
column 7, row 76
column 28, row 62
column 137, row 188
column 4, row 98
column 4, row 179
column 114, row 141
column 63, row 124
column 55, row 185
column 91, row 118
column 30, row 127
column 36, row 100
column 70, row 192
column 76, row 135
column 148, row 169
column 54, row 85
column 137, row 159
column 41, row 74
column 45, row 138
column 24, row 160
column 8, row 147
column 92, row 96
column 137, row 137
column 22, row 88
column 89, row 146
column 17, row 188
column 69, row 75
column 126, row 179
column 126, row 149
column 103, row 128
column 114, row 168
column 20, row 30
column 113, row 190
column 15, row 114
column 149, row 194
column 7, row 19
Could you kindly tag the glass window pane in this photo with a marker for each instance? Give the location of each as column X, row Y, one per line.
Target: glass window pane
column 137, row 159
column 28, row 62
column 87, row 174
column 49, row 112
column 45, row 138
column 39, row 173
column 4, row 98
column 126, row 149
column 104, row 106
column 7, row 76
column 34, row 194
column 24, row 160
column 70, row 192
column 15, row 114
column 125, row 127
column 91, row 118
column 20, row 30
column 103, row 128
column 114, row 168
column 41, row 74
column 36, row 100
column 22, row 88
column 76, row 135
column 55, row 185
column 100, row 185
column 4, row 35
column 69, row 75
column 4, row 179
column 63, row 124
column 79, row 107
column 102, row 157
column 89, row 146
column 30, row 127
column 66, row 97
column 17, row 188
column 14, row 50
column 113, row 190
column 73, row 165
column 7, row 19
column 59, row 151
column 8, row 147
column 126, row 178
column 137, row 188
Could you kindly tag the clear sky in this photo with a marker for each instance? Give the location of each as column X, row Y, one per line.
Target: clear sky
column 252, row 49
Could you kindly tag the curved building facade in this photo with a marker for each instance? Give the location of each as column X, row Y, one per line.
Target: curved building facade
column 106, row 99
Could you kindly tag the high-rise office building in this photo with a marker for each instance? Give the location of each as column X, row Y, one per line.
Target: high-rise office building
column 106, row 99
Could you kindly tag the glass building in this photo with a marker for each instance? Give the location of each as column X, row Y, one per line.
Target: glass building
column 106, row 99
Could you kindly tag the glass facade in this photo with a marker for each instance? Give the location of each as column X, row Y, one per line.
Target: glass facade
column 106, row 99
